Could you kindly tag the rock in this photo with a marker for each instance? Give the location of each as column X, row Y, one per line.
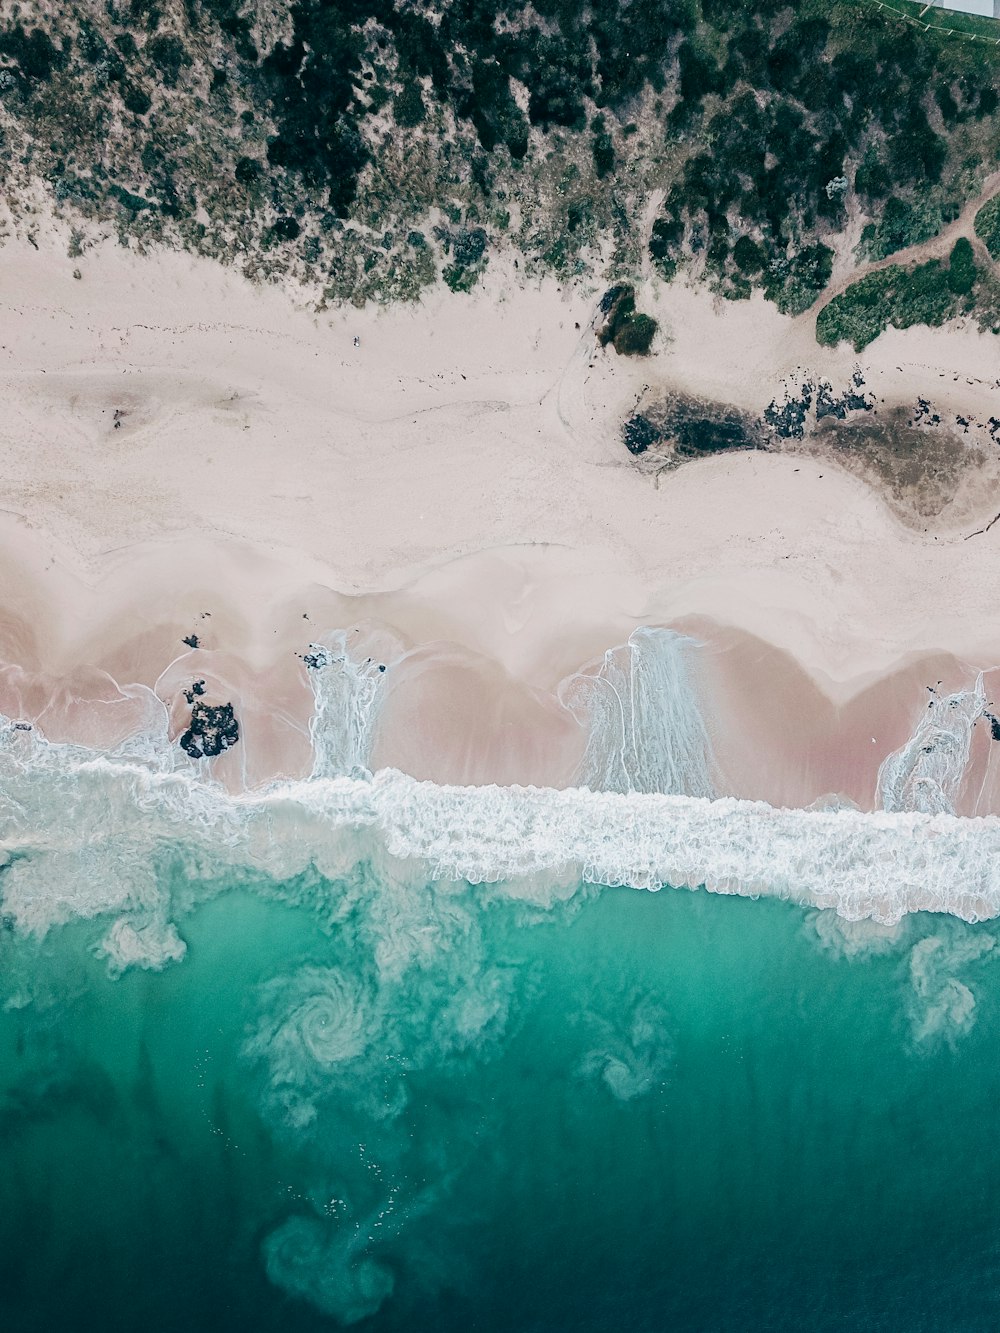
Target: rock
column 687, row 427
column 213, row 729
column 197, row 689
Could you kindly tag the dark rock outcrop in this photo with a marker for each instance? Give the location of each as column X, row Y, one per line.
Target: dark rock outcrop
column 682, row 427
column 639, row 433
column 213, row 729
column 196, row 691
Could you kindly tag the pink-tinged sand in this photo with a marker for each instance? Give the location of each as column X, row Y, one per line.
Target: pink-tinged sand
column 451, row 714
column 186, row 453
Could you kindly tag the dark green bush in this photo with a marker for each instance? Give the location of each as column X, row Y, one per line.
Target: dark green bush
column 893, row 295
column 34, row 53
column 136, row 99
column 748, row 255
column 248, row 171
column 169, row 55
column 961, row 268
column 988, row 226
column 408, row 107
column 635, row 335
column 603, row 148
column 286, row 229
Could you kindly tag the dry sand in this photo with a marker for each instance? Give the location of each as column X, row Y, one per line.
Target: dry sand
column 186, row 453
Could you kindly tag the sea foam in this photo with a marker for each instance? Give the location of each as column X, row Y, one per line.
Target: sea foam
column 83, row 836
column 347, row 695
column 645, row 731
column 87, row 834
column 927, row 772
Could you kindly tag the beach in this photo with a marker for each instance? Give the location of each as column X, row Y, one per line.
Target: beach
column 499, row 668
column 187, row 454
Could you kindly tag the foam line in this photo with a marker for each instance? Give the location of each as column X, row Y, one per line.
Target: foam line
column 83, row 832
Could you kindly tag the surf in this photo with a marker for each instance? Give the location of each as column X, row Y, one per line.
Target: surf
column 83, row 832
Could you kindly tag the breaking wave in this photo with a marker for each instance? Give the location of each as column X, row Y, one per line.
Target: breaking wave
column 85, row 833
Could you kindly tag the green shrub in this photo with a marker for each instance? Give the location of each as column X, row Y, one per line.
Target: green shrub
column 922, row 296
column 894, row 295
column 461, row 279
column 794, row 283
column 34, row 53
column 408, row 107
column 169, row 55
column 988, row 226
column 748, row 256
column 665, row 244
column 248, row 171
column 961, row 268
column 630, row 334
column 634, row 335
column 285, row 229
column 901, row 225
column 603, row 149
column 857, row 315
column 136, row 99
column 872, row 176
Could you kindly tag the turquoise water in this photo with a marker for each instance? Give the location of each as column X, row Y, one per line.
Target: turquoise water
column 438, row 1107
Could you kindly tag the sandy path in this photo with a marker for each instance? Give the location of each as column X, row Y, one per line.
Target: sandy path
column 936, row 247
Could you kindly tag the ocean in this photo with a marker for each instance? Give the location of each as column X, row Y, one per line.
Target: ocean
column 357, row 1050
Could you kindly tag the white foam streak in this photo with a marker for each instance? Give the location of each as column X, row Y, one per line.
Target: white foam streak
column 347, row 696
column 83, row 833
column 644, row 728
column 927, row 772
column 863, row 865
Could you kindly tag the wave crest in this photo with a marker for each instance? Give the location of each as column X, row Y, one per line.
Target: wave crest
column 83, row 833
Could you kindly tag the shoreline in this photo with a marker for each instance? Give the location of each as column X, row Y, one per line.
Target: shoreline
column 459, row 479
column 478, row 656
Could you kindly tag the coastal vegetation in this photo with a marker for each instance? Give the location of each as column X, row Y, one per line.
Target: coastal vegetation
column 988, row 226
column 629, row 332
column 928, row 293
column 367, row 148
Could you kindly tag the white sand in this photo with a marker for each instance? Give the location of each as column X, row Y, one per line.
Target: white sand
column 458, row 476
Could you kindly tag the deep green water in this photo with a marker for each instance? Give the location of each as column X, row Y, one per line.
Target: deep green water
column 439, row 1109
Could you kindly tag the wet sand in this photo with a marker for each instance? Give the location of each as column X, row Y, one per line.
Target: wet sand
column 452, row 713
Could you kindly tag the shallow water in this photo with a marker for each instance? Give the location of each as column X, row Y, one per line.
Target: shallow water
column 433, row 1106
